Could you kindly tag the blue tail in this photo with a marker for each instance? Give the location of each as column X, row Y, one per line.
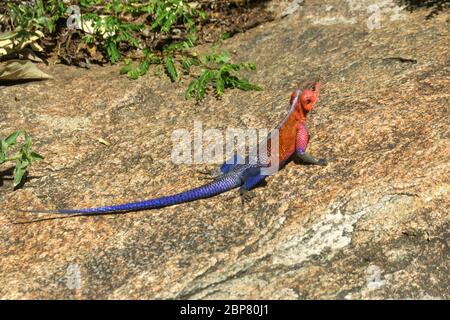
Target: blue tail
column 223, row 184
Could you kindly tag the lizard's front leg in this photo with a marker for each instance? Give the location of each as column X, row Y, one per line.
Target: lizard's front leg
column 301, row 143
column 307, row 158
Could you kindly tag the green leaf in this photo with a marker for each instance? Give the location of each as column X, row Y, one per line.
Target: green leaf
column 243, row 84
column 203, row 82
column 229, row 67
column 19, row 171
column 202, row 14
column 190, row 89
column 3, row 147
column 225, row 35
column 12, row 138
column 144, row 67
column 88, row 39
column 35, row 156
column 133, row 74
column 249, row 66
column 26, row 146
column 112, row 51
column 186, row 64
column 125, row 69
column 171, row 69
column 18, row 175
column 8, row 35
column 23, row 162
column 224, row 57
column 220, row 85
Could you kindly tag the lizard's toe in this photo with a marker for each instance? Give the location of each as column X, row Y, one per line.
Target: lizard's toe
column 246, row 195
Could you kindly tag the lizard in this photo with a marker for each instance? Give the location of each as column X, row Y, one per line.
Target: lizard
column 235, row 173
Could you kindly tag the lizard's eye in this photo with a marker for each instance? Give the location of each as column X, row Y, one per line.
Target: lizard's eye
column 308, row 101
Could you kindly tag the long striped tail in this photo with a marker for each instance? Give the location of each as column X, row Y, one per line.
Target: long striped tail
column 225, row 183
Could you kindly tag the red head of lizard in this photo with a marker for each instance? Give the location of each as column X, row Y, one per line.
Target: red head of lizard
column 305, row 102
column 309, row 96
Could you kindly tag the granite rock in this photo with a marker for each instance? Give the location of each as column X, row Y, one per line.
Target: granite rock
column 373, row 224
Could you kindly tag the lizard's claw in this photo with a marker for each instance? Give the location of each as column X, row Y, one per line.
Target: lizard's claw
column 246, row 195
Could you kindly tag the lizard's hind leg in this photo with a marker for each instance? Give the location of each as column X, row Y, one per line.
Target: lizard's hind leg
column 252, row 177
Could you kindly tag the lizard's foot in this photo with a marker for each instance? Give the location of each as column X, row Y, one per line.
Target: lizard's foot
column 232, row 196
column 246, row 196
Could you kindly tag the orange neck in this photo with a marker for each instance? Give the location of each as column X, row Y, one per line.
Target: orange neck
column 300, row 113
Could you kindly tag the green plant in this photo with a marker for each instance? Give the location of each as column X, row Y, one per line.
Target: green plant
column 29, row 20
column 112, row 31
column 134, row 70
column 217, row 71
column 120, row 29
column 23, row 158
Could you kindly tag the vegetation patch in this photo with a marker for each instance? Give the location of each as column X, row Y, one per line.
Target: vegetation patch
column 144, row 35
column 23, row 157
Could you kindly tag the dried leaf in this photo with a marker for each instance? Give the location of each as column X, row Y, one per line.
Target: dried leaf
column 103, row 141
column 21, row 70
